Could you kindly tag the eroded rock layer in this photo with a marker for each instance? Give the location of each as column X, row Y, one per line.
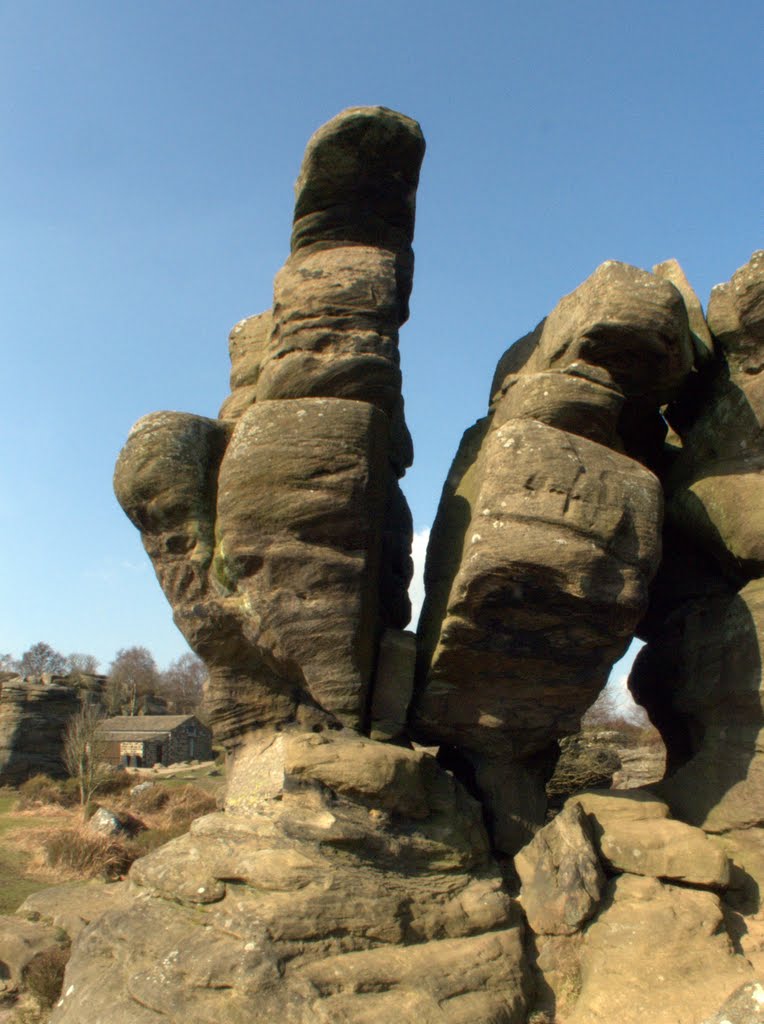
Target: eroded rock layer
column 347, row 880
column 34, row 714
column 279, row 532
column 700, row 676
column 351, row 877
column 546, row 538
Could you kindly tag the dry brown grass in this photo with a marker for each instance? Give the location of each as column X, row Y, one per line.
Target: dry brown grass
column 77, row 853
column 71, row 851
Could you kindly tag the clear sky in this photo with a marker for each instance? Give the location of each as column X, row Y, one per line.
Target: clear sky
column 147, row 156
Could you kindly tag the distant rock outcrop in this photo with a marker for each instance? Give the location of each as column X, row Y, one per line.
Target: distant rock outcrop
column 34, row 713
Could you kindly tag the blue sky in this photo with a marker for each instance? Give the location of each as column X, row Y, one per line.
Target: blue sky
column 147, row 156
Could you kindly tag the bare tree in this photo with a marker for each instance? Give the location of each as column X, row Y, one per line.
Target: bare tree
column 41, row 657
column 79, row 662
column 85, row 753
column 133, row 679
column 182, row 683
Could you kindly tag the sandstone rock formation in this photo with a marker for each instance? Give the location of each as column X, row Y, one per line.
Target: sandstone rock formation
column 640, row 947
column 279, row 532
column 700, row 675
column 347, row 880
column 34, row 713
column 546, row 539
column 351, row 877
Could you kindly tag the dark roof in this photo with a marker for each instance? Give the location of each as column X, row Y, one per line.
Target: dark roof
column 147, row 725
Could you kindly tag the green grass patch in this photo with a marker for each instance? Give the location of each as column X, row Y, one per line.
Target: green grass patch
column 15, row 885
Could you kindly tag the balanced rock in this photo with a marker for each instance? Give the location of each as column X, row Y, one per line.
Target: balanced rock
column 279, row 532
column 546, row 539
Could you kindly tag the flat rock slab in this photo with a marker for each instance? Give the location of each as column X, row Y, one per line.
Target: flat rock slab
column 664, row 848
column 622, row 805
column 634, row 834
column 73, row 905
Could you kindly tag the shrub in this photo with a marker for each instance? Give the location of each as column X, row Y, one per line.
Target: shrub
column 189, row 803
column 43, row 976
column 41, row 790
column 151, row 800
column 88, row 855
column 117, row 782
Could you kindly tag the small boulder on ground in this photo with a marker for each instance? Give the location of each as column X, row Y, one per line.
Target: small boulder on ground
column 105, row 823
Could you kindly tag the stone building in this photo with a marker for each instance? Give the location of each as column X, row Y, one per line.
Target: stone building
column 146, row 740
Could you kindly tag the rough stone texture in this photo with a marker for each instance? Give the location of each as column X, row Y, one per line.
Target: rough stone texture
column 105, row 823
column 34, row 713
column 350, row 879
column 545, row 541
column 560, row 873
column 274, row 584
column 702, row 342
column 644, row 949
column 356, row 887
column 278, row 532
column 588, row 760
column 744, row 1006
column 664, row 849
column 72, row 906
column 634, row 833
column 20, row 942
column 657, row 953
column 707, row 659
column 393, row 684
column 700, row 677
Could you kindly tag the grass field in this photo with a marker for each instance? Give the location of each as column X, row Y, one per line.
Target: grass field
column 20, row 870
column 15, row 881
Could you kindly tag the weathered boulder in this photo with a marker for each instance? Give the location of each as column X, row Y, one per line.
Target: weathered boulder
column 354, row 884
column 700, row 676
column 105, row 823
column 72, row 906
column 635, row 948
column 664, row 849
column 705, row 664
column 545, row 541
column 657, row 952
column 279, row 532
column 20, row 942
column 562, row 881
column 634, row 833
